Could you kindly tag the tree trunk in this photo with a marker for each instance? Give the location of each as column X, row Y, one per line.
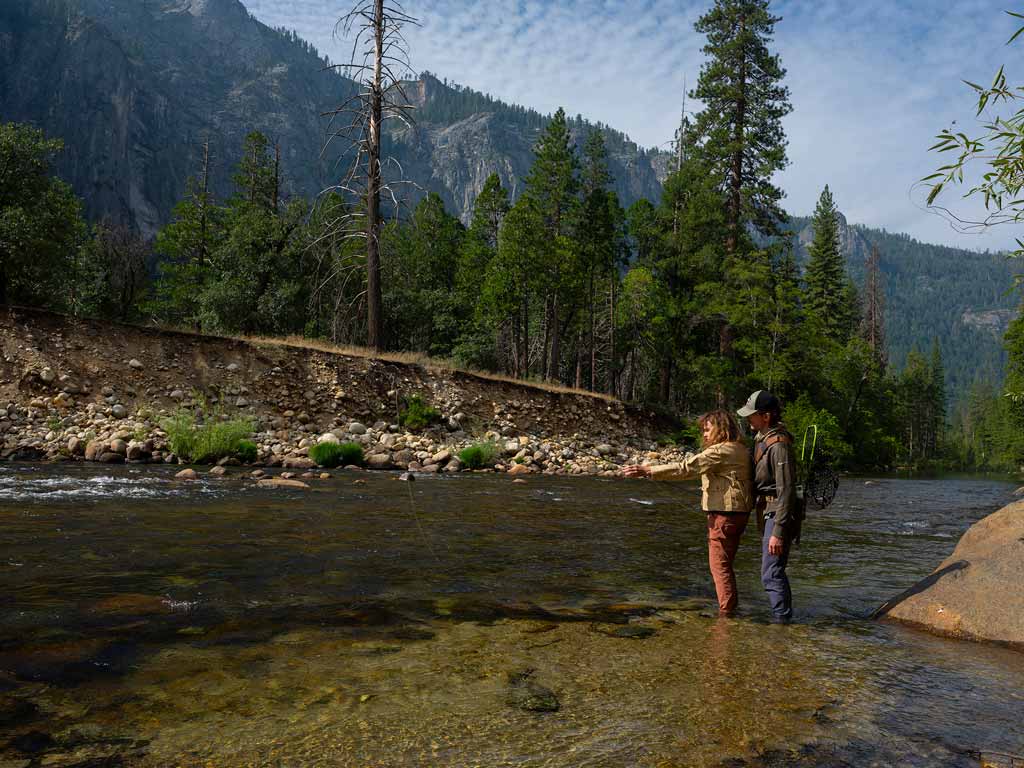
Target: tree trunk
column 736, row 171
column 556, row 342
column 374, row 297
column 3, row 279
column 612, row 373
column 526, row 337
column 277, row 176
column 665, row 381
column 579, row 359
column 547, row 338
column 593, row 349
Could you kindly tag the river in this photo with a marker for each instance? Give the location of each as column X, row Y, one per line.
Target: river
column 369, row 622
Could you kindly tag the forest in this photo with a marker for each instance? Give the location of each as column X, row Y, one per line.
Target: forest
column 683, row 304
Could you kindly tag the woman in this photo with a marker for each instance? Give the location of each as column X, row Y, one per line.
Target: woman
column 725, row 472
column 780, row 513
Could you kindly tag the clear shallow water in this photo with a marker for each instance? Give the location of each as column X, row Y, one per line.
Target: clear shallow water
column 150, row 622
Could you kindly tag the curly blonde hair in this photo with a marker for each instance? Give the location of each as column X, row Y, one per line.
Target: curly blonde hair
column 724, row 428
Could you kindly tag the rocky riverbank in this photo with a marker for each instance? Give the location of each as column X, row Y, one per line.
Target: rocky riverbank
column 84, row 390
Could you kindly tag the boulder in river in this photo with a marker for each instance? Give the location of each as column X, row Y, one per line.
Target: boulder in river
column 977, row 593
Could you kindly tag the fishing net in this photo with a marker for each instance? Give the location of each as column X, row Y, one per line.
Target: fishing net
column 821, row 485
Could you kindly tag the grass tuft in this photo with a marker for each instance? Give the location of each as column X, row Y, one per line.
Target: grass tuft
column 479, row 455
column 331, row 455
column 207, row 442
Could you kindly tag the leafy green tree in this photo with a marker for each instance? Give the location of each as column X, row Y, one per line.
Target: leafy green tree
column 41, row 226
column 112, row 277
column 999, row 146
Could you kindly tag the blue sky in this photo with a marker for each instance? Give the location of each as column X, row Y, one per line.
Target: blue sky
column 871, row 82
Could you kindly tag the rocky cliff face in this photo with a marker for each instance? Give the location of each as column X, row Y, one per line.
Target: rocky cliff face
column 134, row 87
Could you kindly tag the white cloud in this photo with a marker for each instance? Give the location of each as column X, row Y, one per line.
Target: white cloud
column 871, row 82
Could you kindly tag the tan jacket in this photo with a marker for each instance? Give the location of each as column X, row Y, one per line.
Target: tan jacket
column 725, row 474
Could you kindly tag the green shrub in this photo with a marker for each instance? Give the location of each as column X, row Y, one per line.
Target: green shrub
column 799, row 415
column 333, row 455
column 688, row 437
column 207, row 442
column 478, row 456
column 417, row 414
column 246, row 452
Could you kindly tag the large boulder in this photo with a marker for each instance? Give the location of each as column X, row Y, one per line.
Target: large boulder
column 977, row 593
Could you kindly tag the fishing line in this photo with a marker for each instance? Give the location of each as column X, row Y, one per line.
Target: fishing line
column 419, row 526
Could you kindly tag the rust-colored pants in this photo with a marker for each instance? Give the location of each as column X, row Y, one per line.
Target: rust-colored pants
column 724, row 532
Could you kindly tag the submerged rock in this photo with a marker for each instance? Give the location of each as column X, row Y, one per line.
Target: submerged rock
column 977, row 593
column 523, row 693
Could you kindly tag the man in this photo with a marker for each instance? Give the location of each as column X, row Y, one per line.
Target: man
column 778, row 508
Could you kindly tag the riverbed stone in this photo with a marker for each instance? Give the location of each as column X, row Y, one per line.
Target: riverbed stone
column 110, row 457
column 187, row 474
column 298, row 462
column 526, row 694
column 977, row 593
column 280, row 482
column 379, row 461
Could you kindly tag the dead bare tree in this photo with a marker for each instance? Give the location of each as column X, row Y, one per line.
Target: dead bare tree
column 378, row 64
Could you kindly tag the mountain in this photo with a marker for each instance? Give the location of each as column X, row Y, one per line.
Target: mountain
column 134, row 88
column 962, row 298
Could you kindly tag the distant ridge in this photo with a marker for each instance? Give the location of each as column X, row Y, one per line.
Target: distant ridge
column 134, row 87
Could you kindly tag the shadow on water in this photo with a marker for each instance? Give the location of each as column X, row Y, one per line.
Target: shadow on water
column 152, row 622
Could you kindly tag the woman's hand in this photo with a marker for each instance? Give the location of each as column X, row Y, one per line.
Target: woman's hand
column 775, row 545
column 636, row 470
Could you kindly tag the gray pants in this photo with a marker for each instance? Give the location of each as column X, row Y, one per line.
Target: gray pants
column 773, row 576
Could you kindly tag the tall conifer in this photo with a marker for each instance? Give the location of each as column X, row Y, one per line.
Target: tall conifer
column 552, row 186
column 828, row 288
column 740, row 129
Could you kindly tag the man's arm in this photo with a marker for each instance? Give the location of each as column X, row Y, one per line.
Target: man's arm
column 783, row 460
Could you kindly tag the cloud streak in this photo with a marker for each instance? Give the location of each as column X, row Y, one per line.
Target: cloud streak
column 871, row 82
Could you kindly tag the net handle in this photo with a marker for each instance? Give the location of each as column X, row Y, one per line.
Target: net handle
column 814, row 443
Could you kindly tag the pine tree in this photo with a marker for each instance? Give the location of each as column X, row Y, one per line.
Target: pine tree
column 828, row 287
column 185, row 246
column 740, row 129
column 597, row 235
column 552, row 185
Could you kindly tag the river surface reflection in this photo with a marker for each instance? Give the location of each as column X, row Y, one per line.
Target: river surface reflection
column 150, row 622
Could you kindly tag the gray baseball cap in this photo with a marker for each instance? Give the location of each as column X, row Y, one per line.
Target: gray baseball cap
column 760, row 401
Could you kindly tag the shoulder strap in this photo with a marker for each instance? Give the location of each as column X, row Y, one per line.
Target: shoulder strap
column 762, row 447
